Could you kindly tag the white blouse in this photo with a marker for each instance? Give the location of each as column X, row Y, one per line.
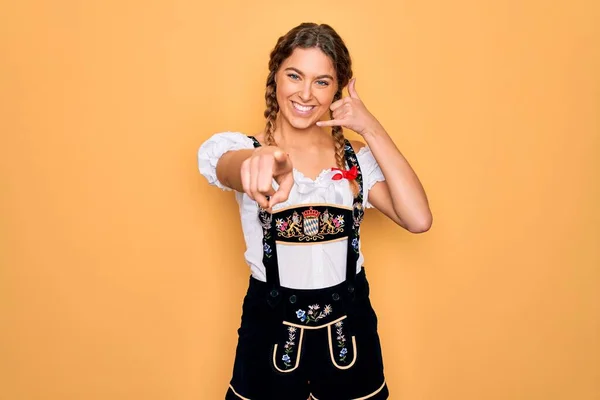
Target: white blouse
column 310, row 266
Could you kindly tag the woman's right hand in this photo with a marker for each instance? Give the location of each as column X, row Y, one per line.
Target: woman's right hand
column 259, row 170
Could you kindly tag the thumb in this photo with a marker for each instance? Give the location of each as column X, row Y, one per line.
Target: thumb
column 352, row 89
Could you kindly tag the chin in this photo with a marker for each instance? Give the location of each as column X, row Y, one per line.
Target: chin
column 301, row 124
column 298, row 122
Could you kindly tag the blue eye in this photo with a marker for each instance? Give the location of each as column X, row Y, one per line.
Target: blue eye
column 293, row 76
column 322, row 83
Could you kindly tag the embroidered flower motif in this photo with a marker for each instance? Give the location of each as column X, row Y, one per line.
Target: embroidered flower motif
column 264, row 218
column 301, row 314
column 289, row 347
column 358, row 213
column 338, row 221
column 281, row 224
column 341, row 340
column 355, row 243
column 313, row 314
column 267, row 250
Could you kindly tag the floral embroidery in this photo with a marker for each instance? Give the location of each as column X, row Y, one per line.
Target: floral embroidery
column 265, row 220
column 289, row 347
column 338, row 221
column 341, row 340
column 280, row 224
column 301, row 314
column 267, row 250
column 358, row 213
column 355, row 244
column 310, row 225
column 313, row 314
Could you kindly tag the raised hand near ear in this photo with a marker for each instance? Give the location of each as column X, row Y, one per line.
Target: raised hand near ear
column 350, row 112
column 266, row 164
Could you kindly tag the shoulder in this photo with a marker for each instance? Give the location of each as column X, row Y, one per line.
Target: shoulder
column 229, row 134
column 221, row 142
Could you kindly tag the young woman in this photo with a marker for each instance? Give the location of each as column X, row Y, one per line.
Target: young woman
column 308, row 329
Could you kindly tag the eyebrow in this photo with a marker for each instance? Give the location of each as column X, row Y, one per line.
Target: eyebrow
column 302, row 74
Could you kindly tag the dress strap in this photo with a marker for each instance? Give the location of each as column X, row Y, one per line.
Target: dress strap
column 357, row 217
column 269, row 248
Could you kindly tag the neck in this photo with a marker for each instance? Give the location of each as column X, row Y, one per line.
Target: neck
column 289, row 137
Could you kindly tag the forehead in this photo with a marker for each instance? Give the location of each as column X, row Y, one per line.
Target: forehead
column 312, row 62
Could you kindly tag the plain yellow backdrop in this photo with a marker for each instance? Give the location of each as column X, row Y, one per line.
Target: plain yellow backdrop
column 122, row 271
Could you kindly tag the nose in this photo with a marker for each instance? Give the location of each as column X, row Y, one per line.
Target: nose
column 306, row 91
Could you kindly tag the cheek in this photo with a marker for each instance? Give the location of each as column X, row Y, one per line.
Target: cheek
column 285, row 88
column 325, row 98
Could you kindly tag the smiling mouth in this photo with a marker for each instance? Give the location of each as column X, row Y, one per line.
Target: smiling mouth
column 301, row 108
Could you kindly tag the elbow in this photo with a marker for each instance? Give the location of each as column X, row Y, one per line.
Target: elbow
column 421, row 225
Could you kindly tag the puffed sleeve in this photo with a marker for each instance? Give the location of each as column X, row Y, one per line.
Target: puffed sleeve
column 371, row 172
column 214, row 147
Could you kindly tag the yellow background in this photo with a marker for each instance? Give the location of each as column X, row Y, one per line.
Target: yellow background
column 122, row 271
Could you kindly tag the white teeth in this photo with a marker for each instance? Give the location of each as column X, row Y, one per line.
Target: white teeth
column 302, row 108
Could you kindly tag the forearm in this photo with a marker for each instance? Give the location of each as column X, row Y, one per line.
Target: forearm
column 229, row 168
column 408, row 196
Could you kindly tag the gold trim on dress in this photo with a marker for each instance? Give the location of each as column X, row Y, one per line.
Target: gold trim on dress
column 237, row 394
column 308, row 243
column 314, row 327
column 312, row 396
column 331, row 351
column 313, row 205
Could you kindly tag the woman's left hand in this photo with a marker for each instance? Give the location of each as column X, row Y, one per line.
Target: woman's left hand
column 350, row 112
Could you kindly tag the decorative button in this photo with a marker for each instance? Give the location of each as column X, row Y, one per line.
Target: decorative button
column 351, row 289
column 274, row 293
column 335, row 296
column 293, row 298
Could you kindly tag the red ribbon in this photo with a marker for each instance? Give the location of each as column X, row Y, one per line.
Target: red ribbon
column 349, row 174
